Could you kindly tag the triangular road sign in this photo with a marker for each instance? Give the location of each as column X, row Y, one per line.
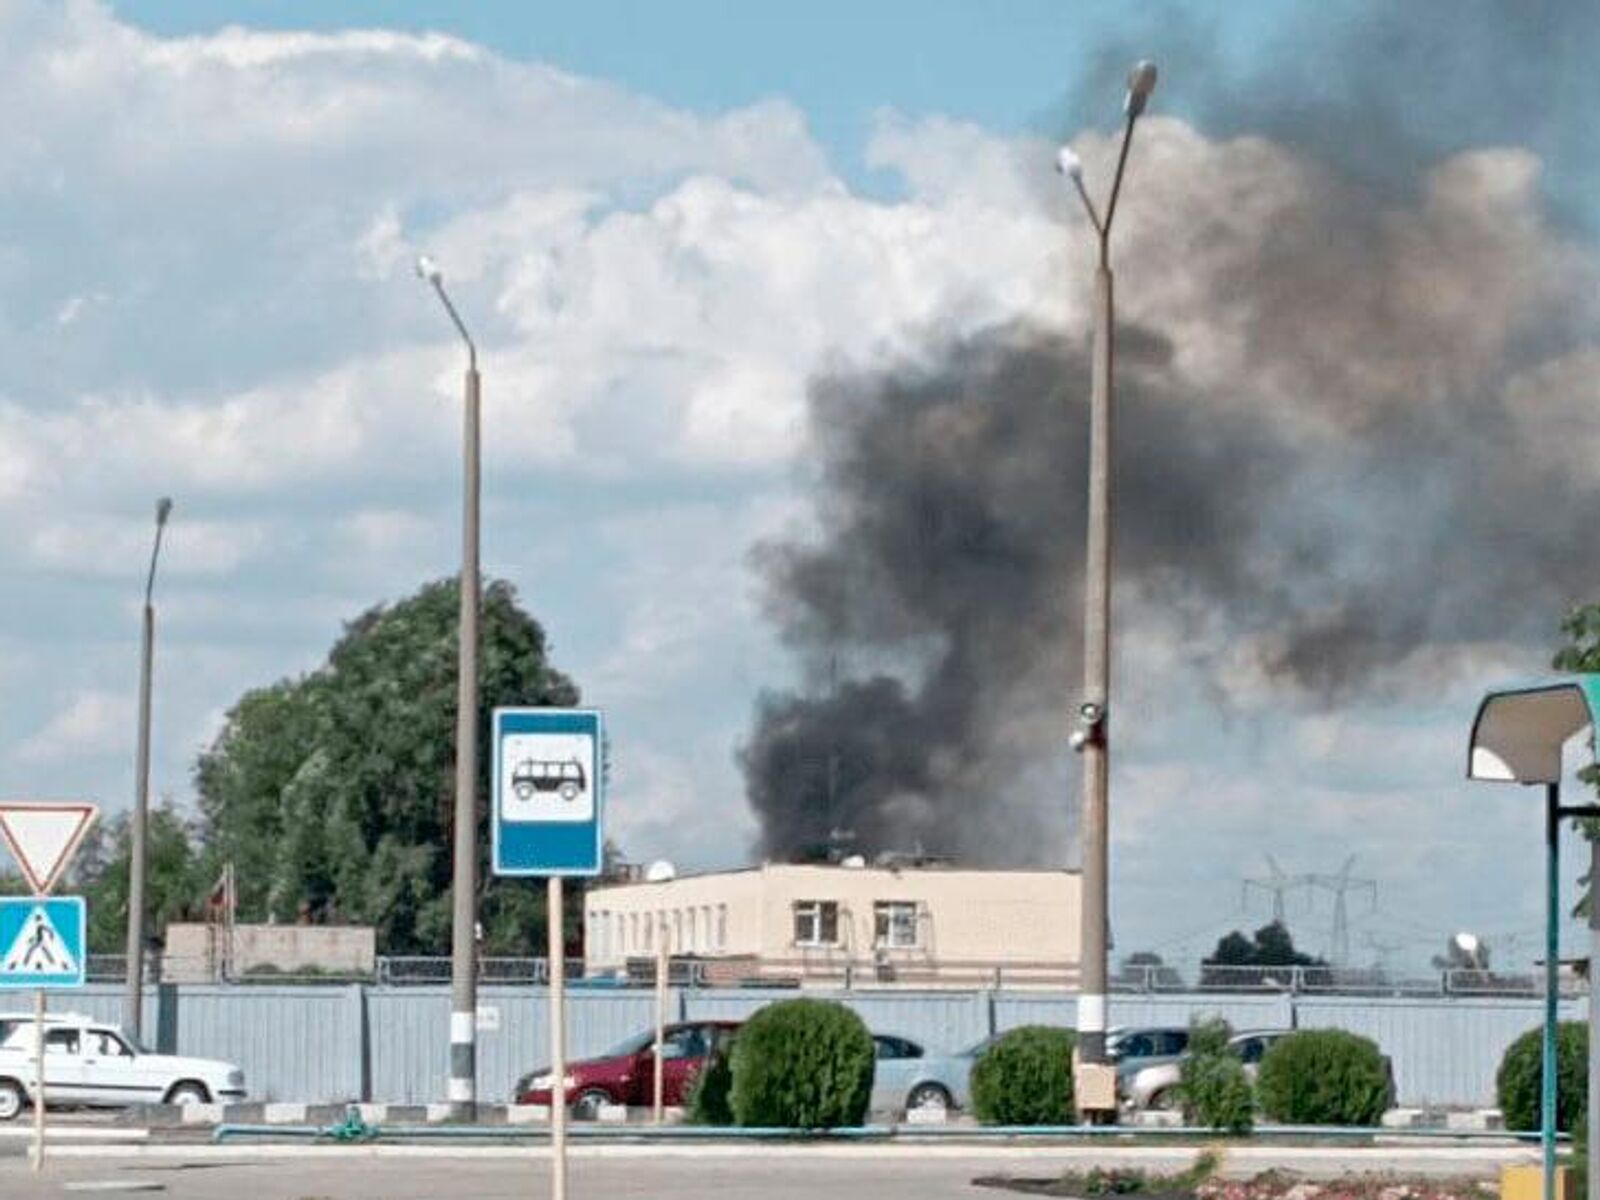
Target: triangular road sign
column 39, row 949
column 44, row 837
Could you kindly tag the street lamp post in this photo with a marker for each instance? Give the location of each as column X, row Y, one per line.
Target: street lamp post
column 464, row 879
column 133, row 1003
column 1097, row 1082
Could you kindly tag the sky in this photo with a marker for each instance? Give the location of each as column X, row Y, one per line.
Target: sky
column 666, row 223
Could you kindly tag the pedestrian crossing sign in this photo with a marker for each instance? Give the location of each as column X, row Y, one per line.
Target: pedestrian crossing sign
column 42, row 942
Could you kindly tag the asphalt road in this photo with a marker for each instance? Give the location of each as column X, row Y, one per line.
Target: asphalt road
column 646, row 1173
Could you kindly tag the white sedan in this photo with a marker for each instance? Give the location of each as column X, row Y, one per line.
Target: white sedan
column 92, row 1064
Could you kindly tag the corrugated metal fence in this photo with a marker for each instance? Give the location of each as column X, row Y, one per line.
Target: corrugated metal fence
column 329, row 1044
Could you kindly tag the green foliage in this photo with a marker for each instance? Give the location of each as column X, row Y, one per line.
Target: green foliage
column 802, row 1064
column 1131, row 1181
column 175, row 881
column 1577, row 1165
column 1518, row 1081
column 711, row 1096
column 333, row 793
column 1025, row 1078
column 1212, row 1083
column 1324, row 1077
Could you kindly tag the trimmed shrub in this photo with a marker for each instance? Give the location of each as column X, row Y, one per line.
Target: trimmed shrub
column 1213, row 1086
column 1025, row 1078
column 710, row 1096
column 802, row 1064
column 1518, row 1081
column 1324, row 1077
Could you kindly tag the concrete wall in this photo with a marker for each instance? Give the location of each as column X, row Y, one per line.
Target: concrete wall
column 198, row 953
column 331, row 1044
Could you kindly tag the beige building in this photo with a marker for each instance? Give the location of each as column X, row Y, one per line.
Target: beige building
column 859, row 925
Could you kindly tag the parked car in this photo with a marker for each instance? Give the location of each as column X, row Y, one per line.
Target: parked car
column 907, row 1077
column 1132, row 1049
column 91, row 1064
column 1156, row 1086
column 625, row 1074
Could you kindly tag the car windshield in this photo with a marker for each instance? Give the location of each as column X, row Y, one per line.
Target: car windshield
column 971, row 1051
column 621, row 1050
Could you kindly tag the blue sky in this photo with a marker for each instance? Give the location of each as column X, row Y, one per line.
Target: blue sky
column 663, row 222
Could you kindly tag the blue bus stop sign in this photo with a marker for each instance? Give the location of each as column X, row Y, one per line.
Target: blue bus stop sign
column 546, row 791
column 42, row 942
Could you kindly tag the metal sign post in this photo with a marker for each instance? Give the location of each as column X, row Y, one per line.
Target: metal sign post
column 662, row 962
column 558, row 1044
column 43, row 942
column 549, row 775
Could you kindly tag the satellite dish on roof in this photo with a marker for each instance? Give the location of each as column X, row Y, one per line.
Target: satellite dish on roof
column 660, row 871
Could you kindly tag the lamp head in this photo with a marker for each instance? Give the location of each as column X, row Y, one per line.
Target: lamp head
column 1069, row 164
column 1141, row 82
column 428, row 270
column 1467, row 943
column 163, row 510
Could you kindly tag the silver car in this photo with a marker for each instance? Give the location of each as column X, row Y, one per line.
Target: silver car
column 908, row 1077
column 1156, row 1086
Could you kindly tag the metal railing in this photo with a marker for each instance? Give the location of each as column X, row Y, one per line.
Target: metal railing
column 866, row 974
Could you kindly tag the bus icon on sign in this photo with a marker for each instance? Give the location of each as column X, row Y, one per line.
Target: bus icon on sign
column 565, row 777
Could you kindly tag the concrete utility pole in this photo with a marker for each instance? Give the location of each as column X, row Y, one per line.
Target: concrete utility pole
column 464, row 878
column 133, row 1001
column 1097, row 1080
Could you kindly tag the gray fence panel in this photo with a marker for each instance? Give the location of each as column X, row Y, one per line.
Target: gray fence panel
column 1242, row 1012
column 942, row 1020
column 1444, row 1051
column 1012, row 1009
column 293, row 1043
column 408, row 1031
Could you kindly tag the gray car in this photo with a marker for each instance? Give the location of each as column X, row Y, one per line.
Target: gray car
column 1155, row 1086
column 1134, row 1048
column 908, row 1077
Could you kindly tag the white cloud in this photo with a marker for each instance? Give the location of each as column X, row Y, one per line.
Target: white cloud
column 91, row 723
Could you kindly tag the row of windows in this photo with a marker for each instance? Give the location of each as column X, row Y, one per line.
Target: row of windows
column 895, row 923
column 696, row 930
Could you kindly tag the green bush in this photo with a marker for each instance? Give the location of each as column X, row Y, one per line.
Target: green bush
column 1517, row 1083
column 802, row 1064
column 710, row 1097
column 1577, row 1166
column 1025, row 1078
column 1324, row 1077
column 1212, row 1083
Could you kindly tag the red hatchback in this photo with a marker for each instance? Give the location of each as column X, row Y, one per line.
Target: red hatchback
column 625, row 1074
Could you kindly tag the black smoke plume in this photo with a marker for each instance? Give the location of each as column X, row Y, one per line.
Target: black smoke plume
column 1386, row 472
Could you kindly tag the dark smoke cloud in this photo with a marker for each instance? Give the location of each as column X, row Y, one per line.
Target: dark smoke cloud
column 1376, row 474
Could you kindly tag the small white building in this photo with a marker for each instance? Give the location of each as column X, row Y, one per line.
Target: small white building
column 858, row 925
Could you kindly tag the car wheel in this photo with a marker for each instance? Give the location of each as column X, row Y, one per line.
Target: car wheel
column 928, row 1095
column 1166, row 1100
column 185, row 1094
column 587, row 1105
column 12, row 1099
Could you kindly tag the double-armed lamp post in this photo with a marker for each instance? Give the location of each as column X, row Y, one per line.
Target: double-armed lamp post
column 1096, row 1089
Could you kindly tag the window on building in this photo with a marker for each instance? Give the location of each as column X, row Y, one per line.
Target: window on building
column 816, row 923
column 705, row 927
column 649, row 923
column 722, row 927
column 692, row 943
column 894, row 924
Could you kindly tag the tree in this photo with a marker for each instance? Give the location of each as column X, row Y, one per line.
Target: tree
column 1272, row 946
column 175, row 884
column 333, row 793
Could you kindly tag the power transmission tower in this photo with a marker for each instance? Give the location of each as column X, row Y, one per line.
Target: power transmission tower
column 1279, row 884
column 1340, row 885
column 1385, row 950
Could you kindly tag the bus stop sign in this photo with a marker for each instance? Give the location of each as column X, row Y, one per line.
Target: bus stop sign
column 547, row 784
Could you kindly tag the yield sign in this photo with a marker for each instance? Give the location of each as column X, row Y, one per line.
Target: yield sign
column 44, row 837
